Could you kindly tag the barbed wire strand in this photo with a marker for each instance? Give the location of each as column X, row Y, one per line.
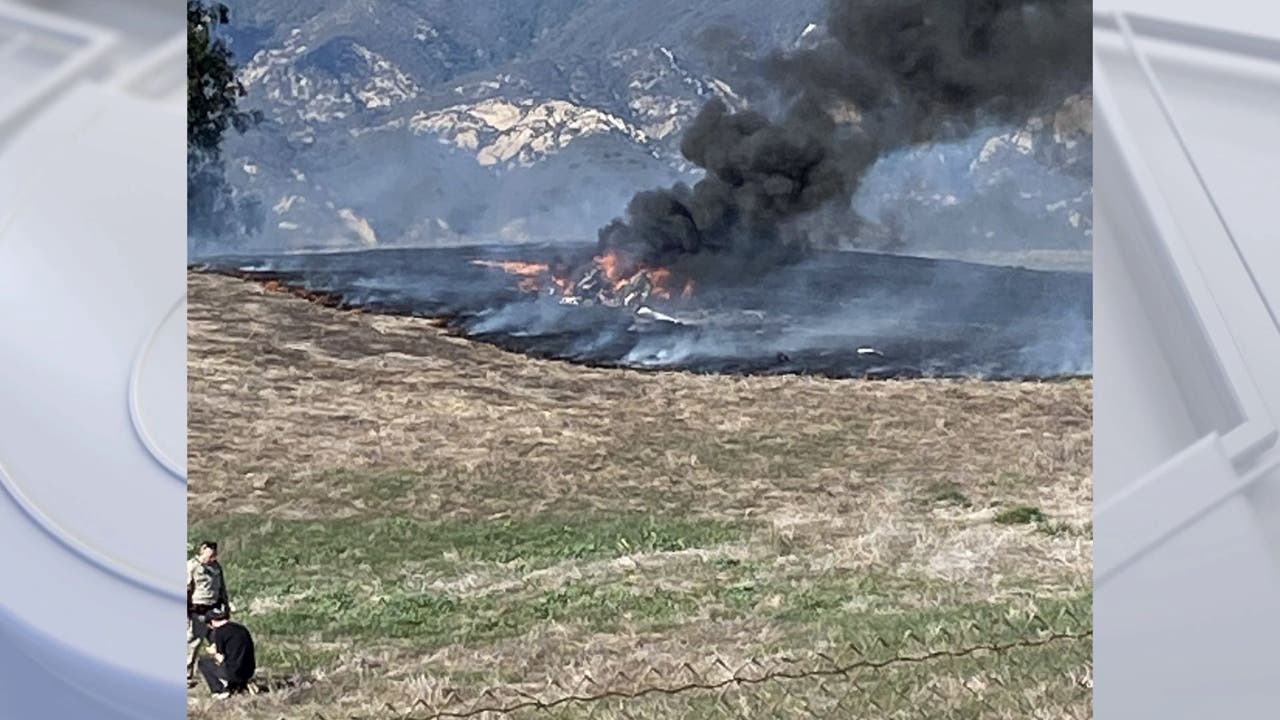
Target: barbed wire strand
column 778, row 675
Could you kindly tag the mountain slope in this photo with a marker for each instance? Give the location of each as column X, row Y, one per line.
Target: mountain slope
column 396, row 122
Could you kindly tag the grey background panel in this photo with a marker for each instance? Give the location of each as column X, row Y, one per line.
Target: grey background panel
column 1187, row 627
column 92, row 360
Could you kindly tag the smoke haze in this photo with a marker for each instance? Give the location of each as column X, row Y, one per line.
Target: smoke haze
column 891, row 74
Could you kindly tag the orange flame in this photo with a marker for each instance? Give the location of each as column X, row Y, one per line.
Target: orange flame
column 660, row 277
column 515, row 267
column 617, row 270
column 611, row 263
column 530, row 273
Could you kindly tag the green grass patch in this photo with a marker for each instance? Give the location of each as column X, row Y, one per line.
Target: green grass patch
column 954, row 624
column 302, row 584
column 292, row 658
column 433, row 620
column 1021, row 515
column 947, row 494
column 385, row 547
column 372, row 578
column 840, row 610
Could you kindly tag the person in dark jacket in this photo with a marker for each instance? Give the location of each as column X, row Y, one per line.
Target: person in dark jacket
column 231, row 668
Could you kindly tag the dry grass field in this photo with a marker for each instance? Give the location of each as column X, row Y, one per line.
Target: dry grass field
column 405, row 514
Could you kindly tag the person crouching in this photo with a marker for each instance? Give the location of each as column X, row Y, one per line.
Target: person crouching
column 233, row 664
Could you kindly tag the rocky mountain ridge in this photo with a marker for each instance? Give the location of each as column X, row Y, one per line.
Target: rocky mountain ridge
column 391, row 122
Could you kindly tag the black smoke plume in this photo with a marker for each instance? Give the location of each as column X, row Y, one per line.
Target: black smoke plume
column 891, row 73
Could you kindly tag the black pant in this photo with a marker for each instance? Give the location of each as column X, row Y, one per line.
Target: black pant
column 198, row 615
column 216, row 676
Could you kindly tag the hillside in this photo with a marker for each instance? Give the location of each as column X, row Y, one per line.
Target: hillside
column 398, row 123
column 408, row 515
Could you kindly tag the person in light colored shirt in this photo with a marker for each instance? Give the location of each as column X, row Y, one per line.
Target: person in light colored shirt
column 206, row 592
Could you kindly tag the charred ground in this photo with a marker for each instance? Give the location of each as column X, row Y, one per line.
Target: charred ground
column 405, row 513
column 834, row 314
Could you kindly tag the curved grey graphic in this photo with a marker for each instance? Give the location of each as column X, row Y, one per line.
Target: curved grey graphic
column 73, row 684
column 92, row 361
column 175, row 467
column 106, row 561
column 68, row 539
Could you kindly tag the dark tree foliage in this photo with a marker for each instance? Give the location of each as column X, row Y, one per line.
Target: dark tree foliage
column 213, row 95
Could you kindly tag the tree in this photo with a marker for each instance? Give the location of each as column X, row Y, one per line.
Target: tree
column 213, row 96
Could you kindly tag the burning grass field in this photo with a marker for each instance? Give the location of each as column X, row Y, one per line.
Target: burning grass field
column 834, row 314
column 406, row 514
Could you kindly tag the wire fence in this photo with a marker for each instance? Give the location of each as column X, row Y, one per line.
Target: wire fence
column 935, row 673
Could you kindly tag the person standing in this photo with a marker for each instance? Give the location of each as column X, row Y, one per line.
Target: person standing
column 206, row 592
column 231, row 668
